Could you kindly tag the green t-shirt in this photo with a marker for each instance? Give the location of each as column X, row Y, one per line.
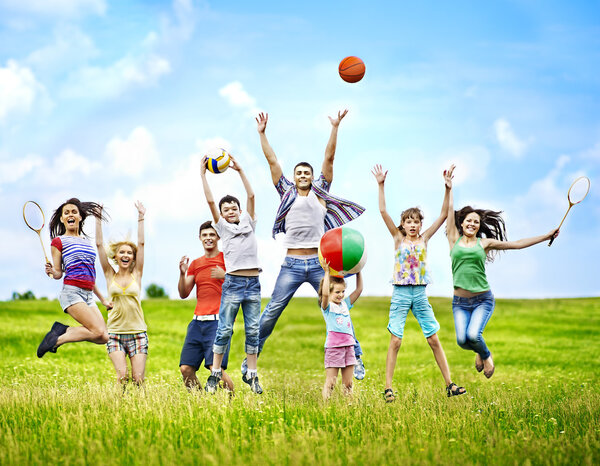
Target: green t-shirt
column 468, row 267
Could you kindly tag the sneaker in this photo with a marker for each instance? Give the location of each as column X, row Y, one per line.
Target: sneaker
column 212, row 383
column 255, row 386
column 359, row 369
column 59, row 329
column 49, row 341
column 244, row 367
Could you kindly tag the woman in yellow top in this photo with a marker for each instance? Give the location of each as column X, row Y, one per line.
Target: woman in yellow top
column 126, row 326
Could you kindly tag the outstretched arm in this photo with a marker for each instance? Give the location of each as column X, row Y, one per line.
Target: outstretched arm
column 380, row 176
column 435, row 226
column 489, row 243
column 249, row 191
column 359, row 288
column 451, row 230
column 327, row 168
column 207, row 192
column 106, row 267
column 276, row 171
column 325, row 288
column 139, row 260
column 186, row 282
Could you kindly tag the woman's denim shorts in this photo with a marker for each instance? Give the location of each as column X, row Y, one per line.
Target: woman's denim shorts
column 71, row 294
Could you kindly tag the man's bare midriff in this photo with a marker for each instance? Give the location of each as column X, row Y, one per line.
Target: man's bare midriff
column 245, row 273
column 301, row 251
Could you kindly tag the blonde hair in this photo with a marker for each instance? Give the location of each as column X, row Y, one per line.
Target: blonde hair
column 332, row 281
column 113, row 248
column 413, row 212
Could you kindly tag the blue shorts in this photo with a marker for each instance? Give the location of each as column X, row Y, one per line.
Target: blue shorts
column 198, row 345
column 411, row 297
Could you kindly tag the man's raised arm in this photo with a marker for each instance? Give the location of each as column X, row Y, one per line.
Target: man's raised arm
column 276, row 171
column 327, row 168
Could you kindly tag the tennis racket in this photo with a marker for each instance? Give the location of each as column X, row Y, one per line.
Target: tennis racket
column 35, row 220
column 577, row 192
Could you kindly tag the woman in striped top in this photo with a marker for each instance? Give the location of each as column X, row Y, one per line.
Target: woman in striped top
column 74, row 255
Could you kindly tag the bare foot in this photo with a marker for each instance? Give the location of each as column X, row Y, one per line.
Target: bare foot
column 478, row 362
column 488, row 367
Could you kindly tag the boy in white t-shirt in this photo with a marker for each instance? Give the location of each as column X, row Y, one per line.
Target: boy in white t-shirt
column 241, row 286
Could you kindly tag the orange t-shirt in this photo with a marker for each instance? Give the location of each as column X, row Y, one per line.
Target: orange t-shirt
column 208, row 290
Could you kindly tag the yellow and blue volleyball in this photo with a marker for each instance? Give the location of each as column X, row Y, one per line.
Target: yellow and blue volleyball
column 218, row 160
column 344, row 249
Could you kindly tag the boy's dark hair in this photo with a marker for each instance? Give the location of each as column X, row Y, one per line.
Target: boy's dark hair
column 305, row 164
column 206, row 226
column 229, row 198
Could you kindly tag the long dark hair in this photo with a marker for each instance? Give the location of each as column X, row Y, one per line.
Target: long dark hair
column 491, row 225
column 57, row 228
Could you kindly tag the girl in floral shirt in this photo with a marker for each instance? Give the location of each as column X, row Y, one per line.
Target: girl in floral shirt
column 410, row 279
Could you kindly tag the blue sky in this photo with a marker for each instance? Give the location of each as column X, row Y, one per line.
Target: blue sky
column 116, row 101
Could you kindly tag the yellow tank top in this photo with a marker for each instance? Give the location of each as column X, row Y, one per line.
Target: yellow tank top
column 126, row 316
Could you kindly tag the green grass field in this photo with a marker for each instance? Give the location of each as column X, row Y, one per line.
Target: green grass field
column 542, row 405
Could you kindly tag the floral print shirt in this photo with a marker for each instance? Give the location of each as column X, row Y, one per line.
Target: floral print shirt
column 410, row 264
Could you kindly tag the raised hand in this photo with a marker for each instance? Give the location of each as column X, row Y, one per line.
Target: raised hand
column 336, row 121
column 234, row 164
column 184, row 263
column 553, row 233
column 217, row 272
column 379, row 174
column 448, row 176
column 140, row 208
column 203, row 165
column 261, row 121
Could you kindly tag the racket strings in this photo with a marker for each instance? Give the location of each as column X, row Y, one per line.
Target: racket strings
column 33, row 216
column 579, row 190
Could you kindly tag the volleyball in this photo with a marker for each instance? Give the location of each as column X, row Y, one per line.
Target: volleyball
column 344, row 249
column 218, row 160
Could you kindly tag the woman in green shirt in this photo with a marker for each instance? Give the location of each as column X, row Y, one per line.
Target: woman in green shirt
column 474, row 236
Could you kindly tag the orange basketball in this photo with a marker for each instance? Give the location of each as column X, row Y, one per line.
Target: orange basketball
column 352, row 69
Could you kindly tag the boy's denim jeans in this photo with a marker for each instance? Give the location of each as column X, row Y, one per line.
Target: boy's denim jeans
column 238, row 291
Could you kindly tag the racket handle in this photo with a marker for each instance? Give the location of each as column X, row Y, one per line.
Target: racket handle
column 551, row 241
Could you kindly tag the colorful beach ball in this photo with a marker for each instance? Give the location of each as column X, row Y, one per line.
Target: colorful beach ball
column 218, row 160
column 344, row 249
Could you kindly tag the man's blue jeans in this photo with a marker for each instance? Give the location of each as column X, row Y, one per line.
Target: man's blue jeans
column 294, row 272
column 238, row 291
column 471, row 315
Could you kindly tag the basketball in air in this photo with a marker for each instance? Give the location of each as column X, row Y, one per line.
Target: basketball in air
column 218, row 160
column 344, row 249
column 352, row 69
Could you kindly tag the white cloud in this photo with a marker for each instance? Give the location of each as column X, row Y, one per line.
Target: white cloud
column 471, row 163
column 14, row 170
column 18, row 89
column 592, row 153
column 70, row 47
column 134, row 155
column 69, row 162
column 55, row 8
column 144, row 69
column 235, row 94
column 507, row 139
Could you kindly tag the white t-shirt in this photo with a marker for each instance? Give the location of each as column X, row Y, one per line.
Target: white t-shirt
column 239, row 243
column 305, row 222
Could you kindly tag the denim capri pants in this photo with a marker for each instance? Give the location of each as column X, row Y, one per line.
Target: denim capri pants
column 411, row 297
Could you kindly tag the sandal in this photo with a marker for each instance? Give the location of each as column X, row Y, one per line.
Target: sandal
column 455, row 390
column 388, row 395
